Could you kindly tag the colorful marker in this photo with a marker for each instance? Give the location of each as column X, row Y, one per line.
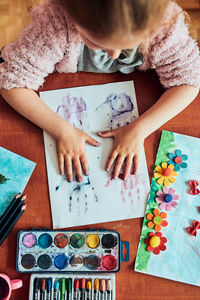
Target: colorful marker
column 36, row 290
column 62, row 297
column 96, row 289
column 56, row 294
column 102, row 289
column 76, row 289
column 82, row 294
column 49, row 285
column 43, row 290
column 89, row 290
column 109, row 290
column 69, row 288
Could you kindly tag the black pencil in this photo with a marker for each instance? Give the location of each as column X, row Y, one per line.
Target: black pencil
column 12, row 213
column 12, row 223
column 10, row 208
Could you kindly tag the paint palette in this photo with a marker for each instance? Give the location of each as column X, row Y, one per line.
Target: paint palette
column 68, row 251
column 62, row 286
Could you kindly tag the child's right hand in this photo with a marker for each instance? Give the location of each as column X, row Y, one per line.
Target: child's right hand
column 71, row 152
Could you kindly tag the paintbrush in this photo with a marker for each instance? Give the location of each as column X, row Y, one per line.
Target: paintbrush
column 12, row 213
column 12, row 223
column 10, row 208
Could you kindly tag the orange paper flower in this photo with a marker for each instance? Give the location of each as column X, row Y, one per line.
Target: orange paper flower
column 156, row 219
column 164, row 174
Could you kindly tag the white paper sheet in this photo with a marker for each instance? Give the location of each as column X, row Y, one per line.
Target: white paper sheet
column 97, row 199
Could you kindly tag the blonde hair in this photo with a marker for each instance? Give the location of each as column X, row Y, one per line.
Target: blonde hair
column 108, row 18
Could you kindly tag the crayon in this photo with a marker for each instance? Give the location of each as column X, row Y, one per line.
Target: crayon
column 76, row 289
column 69, row 288
column 10, row 208
column 48, row 285
column 63, row 290
column 109, row 290
column 12, row 213
column 89, row 290
column 12, row 223
column 82, row 293
column 96, row 289
column 102, row 289
column 43, row 290
column 56, row 293
column 36, row 289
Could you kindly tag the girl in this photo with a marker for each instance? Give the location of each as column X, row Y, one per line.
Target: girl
column 91, row 35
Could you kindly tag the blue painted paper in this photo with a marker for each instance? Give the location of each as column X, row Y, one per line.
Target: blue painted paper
column 15, row 172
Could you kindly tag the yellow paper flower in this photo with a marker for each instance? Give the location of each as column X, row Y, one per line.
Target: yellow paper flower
column 164, row 174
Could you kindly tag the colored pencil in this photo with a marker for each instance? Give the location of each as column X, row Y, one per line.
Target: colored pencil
column 48, row 288
column 69, row 288
column 12, row 223
column 89, row 290
column 36, row 290
column 76, row 289
column 109, row 290
column 43, row 289
column 12, row 213
column 96, row 289
column 10, row 208
column 63, row 289
column 56, row 294
column 102, row 289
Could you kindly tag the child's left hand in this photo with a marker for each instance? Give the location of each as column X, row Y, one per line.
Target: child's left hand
column 128, row 142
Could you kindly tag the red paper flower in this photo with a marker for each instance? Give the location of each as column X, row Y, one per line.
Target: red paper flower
column 193, row 229
column 193, row 187
column 156, row 242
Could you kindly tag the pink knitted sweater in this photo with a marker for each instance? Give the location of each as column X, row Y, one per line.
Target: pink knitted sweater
column 51, row 42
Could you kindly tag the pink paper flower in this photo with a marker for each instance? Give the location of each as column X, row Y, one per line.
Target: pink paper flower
column 167, row 198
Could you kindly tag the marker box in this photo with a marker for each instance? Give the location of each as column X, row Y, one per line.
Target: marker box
column 64, row 292
column 69, row 251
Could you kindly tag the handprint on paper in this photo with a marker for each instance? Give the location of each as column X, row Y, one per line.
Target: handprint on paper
column 74, row 110
column 121, row 113
column 120, row 107
column 80, row 193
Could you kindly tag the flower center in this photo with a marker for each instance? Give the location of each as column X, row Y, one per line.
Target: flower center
column 157, row 220
column 154, row 241
column 167, row 172
column 178, row 160
column 168, row 198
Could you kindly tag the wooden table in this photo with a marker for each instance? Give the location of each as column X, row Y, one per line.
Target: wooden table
column 21, row 136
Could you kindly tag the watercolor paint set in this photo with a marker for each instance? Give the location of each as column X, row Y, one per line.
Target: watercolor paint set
column 72, row 287
column 69, row 251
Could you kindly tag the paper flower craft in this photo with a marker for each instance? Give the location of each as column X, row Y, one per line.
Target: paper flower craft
column 193, row 187
column 167, row 198
column 164, row 174
column 193, row 229
column 156, row 219
column 156, row 242
column 177, row 160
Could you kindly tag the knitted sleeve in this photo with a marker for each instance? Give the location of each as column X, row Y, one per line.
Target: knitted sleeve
column 173, row 53
column 39, row 47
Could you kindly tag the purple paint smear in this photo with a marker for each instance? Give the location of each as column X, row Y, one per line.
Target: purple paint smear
column 120, row 107
column 73, row 110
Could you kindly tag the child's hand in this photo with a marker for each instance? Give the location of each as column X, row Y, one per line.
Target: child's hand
column 127, row 145
column 71, row 152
